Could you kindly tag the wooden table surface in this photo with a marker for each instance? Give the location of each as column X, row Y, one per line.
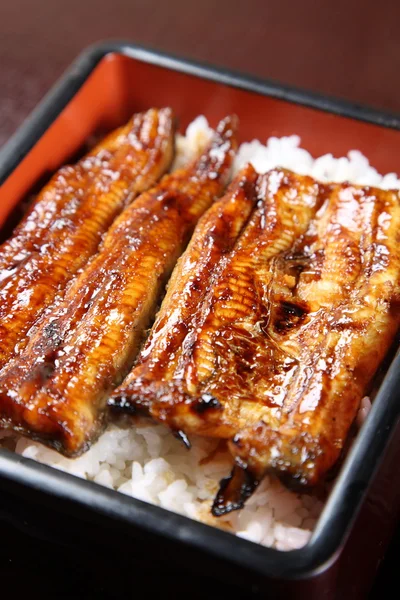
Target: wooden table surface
column 346, row 48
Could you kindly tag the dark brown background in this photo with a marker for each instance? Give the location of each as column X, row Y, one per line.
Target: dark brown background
column 346, row 48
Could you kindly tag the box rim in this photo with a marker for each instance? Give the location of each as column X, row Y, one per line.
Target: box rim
column 345, row 500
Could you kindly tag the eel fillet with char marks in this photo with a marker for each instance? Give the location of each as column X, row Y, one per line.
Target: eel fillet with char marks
column 289, row 330
column 55, row 391
column 65, row 224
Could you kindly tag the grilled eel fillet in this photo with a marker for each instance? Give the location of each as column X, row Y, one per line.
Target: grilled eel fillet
column 284, row 332
column 55, row 391
column 66, row 222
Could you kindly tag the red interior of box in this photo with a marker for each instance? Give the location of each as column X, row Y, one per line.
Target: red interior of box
column 120, row 86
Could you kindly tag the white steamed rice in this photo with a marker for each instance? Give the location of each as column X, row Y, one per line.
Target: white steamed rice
column 148, row 463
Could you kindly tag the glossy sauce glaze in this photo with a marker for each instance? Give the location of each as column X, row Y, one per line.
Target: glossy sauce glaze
column 65, row 224
column 56, row 389
column 289, row 327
